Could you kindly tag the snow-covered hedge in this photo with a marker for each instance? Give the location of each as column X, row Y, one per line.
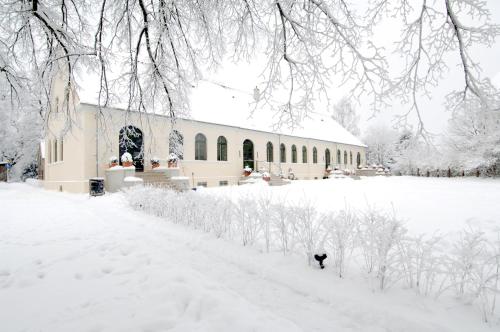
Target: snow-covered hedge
column 373, row 241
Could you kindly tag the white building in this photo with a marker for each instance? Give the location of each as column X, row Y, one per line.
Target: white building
column 212, row 154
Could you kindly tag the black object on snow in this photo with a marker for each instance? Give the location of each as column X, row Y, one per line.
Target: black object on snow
column 320, row 259
column 96, row 186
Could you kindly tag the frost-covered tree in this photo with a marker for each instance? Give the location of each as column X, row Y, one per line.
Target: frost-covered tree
column 410, row 152
column 20, row 130
column 345, row 114
column 473, row 140
column 152, row 52
column 381, row 141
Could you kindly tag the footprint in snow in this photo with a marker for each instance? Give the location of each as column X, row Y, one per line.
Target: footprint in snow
column 4, row 273
column 107, row 270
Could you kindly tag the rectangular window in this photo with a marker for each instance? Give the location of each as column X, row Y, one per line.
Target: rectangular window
column 62, row 149
column 201, row 184
column 223, row 183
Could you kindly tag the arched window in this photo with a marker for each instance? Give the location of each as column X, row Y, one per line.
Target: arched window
column 221, row 148
column 358, row 159
column 269, row 152
column 294, row 154
column 176, row 144
column 350, row 157
column 315, row 155
column 339, row 160
column 131, row 141
column 327, row 158
column 304, row 155
column 200, row 147
column 248, row 157
column 345, row 157
column 282, row 153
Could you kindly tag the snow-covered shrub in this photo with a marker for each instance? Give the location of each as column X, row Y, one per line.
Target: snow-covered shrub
column 341, row 228
column 126, row 157
column 468, row 268
column 467, row 252
column 264, row 210
column 421, row 259
column 475, row 266
column 282, row 225
column 246, row 219
column 379, row 234
column 308, row 229
column 222, row 217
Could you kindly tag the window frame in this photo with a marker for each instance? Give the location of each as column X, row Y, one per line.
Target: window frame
column 282, row 153
column 328, row 161
column 270, row 152
column 200, row 147
column 221, row 153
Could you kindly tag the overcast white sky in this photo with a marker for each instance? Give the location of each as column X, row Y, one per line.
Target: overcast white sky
column 213, row 103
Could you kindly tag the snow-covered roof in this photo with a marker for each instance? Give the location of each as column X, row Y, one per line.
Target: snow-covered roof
column 212, row 103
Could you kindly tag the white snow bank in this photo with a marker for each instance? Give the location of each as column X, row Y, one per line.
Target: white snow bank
column 93, row 264
column 34, row 182
column 179, row 178
column 132, row 179
column 425, row 204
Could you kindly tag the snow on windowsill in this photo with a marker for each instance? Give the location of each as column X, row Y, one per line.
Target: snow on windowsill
column 132, row 179
column 179, row 178
column 55, row 163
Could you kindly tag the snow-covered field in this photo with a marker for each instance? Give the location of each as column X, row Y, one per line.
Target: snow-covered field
column 73, row 263
column 425, row 204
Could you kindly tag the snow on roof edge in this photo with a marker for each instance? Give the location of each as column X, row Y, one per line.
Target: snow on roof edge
column 359, row 143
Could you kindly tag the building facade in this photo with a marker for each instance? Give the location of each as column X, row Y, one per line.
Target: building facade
column 211, row 154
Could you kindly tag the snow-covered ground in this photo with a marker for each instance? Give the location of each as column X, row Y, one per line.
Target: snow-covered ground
column 425, row 204
column 73, row 263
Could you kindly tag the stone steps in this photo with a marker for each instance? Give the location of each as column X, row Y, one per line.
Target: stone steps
column 161, row 178
column 277, row 181
column 153, row 178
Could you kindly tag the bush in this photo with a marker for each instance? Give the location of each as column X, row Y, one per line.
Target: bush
column 467, row 268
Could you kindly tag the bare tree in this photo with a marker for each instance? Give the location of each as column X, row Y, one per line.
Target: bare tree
column 381, row 141
column 433, row 31
column 345, row 114
column 154, row 51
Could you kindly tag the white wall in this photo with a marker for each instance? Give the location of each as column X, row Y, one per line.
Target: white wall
column 156, row 131
column 80, row 159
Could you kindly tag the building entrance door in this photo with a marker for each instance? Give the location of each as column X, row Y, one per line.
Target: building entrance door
column 248, row 158
column 131, row 141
